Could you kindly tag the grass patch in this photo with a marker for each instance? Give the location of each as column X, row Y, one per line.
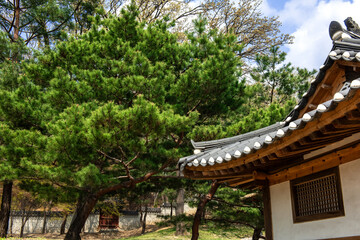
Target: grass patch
column 205, row 234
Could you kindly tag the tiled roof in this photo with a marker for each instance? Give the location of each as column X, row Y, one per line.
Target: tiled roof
column 346, row 46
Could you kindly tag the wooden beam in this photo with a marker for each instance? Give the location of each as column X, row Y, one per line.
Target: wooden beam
column 259, row 175
column 236, row 179
column 342, row 63
column 321, row 136
column 221, row 177
column 316, row 165
column 244, row 179
column 353, row 115
column 237, row 182
column 344, row 123
column 286, row 153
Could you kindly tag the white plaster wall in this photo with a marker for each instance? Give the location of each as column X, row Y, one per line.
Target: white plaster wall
column 35, row 224
column 348, row 225
column 129, row 222
column 156, row 217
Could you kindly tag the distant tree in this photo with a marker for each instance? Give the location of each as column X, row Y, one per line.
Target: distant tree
column 37, row 22
column 236, row 207
column 25, row 203
column 169, row 196
column 82, row 15
column 279, row 81
column 256, row 32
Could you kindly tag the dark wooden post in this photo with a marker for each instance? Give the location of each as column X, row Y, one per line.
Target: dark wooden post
column 267, row 211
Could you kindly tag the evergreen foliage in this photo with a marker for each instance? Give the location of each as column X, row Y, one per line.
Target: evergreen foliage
column 279, row 82
column 116, row 105
column 112, row 108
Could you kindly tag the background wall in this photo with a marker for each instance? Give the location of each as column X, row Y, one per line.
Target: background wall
column 126, row 222
column 35, row 224
column 348, row 225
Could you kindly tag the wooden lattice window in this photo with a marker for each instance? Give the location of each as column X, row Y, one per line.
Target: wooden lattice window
column 317, row 196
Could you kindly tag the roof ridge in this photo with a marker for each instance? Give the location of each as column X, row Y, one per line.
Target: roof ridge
column 234, row 139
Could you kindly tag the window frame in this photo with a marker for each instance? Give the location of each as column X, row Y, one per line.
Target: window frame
column 311, row 177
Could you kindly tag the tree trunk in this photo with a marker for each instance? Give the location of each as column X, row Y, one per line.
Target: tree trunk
column 257, row 233
column 200, row 209
column 11, row 225
column 155, row 199
column 5, row 208
column 44, row 223
column 84, row 207
column 17, row 20
column 144, row 220
column 63, row 225
column 180, row 210
column 171, row 210
column 22, row 230
column 23, row 222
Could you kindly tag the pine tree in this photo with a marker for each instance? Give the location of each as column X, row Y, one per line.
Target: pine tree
column 280, row 81
column 115, row 105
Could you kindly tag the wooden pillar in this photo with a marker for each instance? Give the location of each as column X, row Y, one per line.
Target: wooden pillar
column 267, row 211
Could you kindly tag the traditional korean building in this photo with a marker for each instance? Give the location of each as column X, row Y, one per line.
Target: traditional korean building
column 308, row 166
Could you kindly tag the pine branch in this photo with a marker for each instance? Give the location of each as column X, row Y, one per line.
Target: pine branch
column 130, row 183
column 126, row 165
column 56, row 28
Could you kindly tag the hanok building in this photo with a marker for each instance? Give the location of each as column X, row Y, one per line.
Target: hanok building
column 308, row 166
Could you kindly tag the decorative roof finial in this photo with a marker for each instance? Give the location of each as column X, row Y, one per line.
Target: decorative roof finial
column 351, row 25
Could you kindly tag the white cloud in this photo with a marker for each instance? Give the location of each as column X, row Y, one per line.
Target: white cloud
column 267, row 10
column 310, row 21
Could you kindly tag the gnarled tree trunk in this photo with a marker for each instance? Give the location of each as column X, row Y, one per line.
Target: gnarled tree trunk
column 84, row 207
column 5, row 208
column 200, row 209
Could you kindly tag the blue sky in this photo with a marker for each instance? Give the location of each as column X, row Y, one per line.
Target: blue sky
column 277, row 4
column 308, row 22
